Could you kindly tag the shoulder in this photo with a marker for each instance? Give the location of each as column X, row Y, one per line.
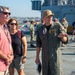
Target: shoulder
column 41, row 27
column 58, row 25
column 21, row 33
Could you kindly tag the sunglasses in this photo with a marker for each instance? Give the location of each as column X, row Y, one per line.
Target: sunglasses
column 5, row 13
column 49, row 16
column 13, row 24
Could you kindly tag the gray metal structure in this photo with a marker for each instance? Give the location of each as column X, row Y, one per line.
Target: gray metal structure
column 61, row 8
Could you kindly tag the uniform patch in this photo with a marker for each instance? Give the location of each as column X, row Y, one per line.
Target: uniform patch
column 52, row 31
column 44, row 31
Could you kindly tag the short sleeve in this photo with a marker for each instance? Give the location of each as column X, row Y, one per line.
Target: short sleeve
column 22, row 34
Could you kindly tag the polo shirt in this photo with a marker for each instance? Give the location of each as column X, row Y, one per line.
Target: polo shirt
column 5, row 46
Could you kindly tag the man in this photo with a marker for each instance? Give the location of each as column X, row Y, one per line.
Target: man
column 48, row 37
column 32, row 32
column 6, row 53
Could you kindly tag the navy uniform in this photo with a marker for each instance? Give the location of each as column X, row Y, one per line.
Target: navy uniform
column 47, row 38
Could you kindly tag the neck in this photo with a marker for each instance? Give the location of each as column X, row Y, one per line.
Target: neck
column 48, row 24
column 13, row 31
column 1, row 24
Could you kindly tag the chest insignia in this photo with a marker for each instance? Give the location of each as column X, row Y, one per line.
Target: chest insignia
column 52, row 31
column 44, row 31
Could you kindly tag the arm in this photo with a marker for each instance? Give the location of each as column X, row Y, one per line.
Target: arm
column 24, row 41
column 63, row 35
column 37, row 60
column 11, row 57
column 3, row 56
column 8, row 59
column 38, row 44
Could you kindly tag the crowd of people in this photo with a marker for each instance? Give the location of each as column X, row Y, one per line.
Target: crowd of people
column 13, row 43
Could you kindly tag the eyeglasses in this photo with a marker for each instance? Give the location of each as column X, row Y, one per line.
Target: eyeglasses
column 5, row 13
column 13, row 24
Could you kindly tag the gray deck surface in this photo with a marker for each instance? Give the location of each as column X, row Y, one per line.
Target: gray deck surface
column 68, row 59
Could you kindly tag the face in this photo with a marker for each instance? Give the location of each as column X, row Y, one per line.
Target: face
column 13, row 25
column 4, row 16
column 48, row 20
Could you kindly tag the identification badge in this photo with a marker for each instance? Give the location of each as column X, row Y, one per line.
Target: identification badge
column 10, row 47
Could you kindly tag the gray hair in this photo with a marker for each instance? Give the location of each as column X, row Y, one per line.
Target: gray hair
column 3, row 7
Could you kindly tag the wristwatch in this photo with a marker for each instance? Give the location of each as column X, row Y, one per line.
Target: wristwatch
column 24, row 57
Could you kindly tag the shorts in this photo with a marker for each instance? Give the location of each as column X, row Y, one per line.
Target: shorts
column 17, row 63
column 4, row 73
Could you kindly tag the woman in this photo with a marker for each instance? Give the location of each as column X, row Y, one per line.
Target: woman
column 19, row 50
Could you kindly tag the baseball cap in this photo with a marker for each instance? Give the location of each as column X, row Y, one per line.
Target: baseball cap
column 47, row 13
column 32, row 20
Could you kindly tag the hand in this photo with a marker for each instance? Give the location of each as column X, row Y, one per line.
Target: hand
column 37, row 61
column 61, row 35
column 23, row 60
column 10, row 59
column 7, row 62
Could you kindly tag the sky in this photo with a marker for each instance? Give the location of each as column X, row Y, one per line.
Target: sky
column 20, row 8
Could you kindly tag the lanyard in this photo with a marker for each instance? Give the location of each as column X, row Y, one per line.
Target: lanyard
column 6, row 33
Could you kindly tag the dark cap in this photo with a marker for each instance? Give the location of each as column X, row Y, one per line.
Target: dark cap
column 32, row 21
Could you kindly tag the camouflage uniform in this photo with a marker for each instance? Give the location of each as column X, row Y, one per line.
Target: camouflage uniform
column 32, row 32
column 51, row 53
column 65, row 24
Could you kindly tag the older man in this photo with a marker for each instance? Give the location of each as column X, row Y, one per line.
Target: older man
column 49, row 37
column 6, row 53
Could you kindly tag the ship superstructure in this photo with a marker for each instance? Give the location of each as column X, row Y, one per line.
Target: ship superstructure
column 60, row 8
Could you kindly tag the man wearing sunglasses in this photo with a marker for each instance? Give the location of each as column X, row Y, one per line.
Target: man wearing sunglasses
column 6, row 52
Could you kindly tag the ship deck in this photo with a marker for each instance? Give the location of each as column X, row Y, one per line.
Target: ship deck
column 68, row 59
